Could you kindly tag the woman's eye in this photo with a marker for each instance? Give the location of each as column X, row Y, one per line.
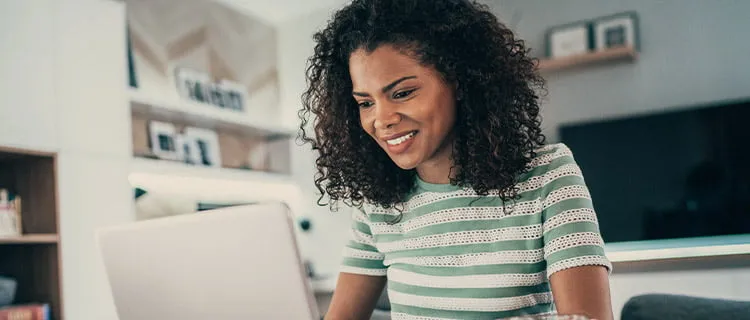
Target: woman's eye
column 365, row 104
column 403, row 94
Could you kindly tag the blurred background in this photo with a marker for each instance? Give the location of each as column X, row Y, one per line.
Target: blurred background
column 119, row 111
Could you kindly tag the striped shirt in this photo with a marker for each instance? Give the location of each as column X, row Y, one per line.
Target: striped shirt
column 457, row 255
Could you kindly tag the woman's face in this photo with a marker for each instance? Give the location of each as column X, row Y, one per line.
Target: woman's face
column 406, row 107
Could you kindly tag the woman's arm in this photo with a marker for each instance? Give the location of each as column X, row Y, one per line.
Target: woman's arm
column 355, row 297
column 582, row 291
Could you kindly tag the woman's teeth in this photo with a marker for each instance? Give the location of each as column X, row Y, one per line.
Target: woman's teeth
column 401, row 139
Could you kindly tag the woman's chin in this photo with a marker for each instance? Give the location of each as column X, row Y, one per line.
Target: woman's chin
column 405, row 162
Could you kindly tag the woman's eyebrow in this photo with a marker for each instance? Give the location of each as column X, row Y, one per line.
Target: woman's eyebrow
column 387, row 88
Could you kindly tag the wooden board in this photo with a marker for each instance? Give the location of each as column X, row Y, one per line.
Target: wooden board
column 616, row 54
column 31, row 239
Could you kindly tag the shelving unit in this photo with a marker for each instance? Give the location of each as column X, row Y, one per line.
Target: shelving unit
column 33, row 259
column 203, row 115
column 610, row 55
column 31, row 239
column 239, row 136
column 178, row 169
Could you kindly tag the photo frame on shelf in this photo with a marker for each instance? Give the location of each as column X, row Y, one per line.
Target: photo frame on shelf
column 189, row 150
column 234, row 95
column 199, row 87
column 618, row 30
column 569, row 39
column 162, row 140
column 206, row 143
column 192, row 84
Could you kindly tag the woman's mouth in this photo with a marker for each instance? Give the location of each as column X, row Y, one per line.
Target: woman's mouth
column 401, row 139
column 402, row 143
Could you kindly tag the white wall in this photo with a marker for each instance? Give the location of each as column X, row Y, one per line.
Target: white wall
column 693, row 52
column 62, row 89
column 323, row 244
column 27, row 83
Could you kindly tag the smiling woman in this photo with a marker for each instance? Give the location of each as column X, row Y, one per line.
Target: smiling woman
column 426, row 119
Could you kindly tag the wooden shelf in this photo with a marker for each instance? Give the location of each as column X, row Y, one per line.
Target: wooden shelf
column 33, row 258
column 31, row 239
column 617, row 54
column 179, row 169
column 204, row 116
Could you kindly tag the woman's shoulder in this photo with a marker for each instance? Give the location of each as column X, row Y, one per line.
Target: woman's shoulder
column 552, row 155
column 550, row 159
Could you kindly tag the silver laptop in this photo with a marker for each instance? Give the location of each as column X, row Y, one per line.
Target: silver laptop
column 231, row 263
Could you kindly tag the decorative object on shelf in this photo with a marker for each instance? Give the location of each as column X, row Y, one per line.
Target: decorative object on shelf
column 163, row 140
column 234, row 95
column 7, row 291
column 569, row 39
column 619, row 30
column 207, row 143
column 199, row 87
column 191, row 84
column 10, row 214
column 190, row 151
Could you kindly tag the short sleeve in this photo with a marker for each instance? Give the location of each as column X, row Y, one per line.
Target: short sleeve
column 361, row 256
column 570, row 225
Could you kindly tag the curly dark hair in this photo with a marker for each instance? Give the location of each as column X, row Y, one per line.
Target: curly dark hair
column 497, row 109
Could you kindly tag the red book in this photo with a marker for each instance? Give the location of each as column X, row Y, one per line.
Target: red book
column 25, row 312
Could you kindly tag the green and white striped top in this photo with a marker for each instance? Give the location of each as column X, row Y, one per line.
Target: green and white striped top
column 456, row 255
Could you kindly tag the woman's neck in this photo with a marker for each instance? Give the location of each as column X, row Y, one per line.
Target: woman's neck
column 437, row 169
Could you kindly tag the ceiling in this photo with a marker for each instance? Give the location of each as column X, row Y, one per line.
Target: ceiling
column 278, row 11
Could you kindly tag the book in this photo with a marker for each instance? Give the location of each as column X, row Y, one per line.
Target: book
column 25, row 312
column 10, row 214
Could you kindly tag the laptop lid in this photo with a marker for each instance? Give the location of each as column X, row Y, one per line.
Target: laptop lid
column 229, row 263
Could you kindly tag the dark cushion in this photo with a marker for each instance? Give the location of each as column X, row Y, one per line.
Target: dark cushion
column 668, row 307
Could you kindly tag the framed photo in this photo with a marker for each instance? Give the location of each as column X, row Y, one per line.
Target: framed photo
column 568, row 40
column 206, row 144
column 193, row 85
column 189, row 150
column 162, row 140
column 235, row 95
column 616, row 31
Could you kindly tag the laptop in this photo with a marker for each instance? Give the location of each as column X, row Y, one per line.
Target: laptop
column 229, row 263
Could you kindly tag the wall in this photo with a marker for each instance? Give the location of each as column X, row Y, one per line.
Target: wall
column 323, row 244
column 693, row 52
column 62, row 89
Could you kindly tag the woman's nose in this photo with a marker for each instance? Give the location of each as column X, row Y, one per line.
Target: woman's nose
column 386, row 116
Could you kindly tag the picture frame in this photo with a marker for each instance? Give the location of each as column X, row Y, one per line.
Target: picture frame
column 235, row 95
column 569, row 39
column 206, row 142
column 199, row 87
column 189, row 150
column 616, row 30
column 193, row 85
column 162, row 140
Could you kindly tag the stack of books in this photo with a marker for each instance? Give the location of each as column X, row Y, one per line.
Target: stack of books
column 25, row 312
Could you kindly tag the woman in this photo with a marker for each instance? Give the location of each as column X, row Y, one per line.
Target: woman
column 426, row 118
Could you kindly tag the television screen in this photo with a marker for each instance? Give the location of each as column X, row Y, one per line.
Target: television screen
column 672, row 175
